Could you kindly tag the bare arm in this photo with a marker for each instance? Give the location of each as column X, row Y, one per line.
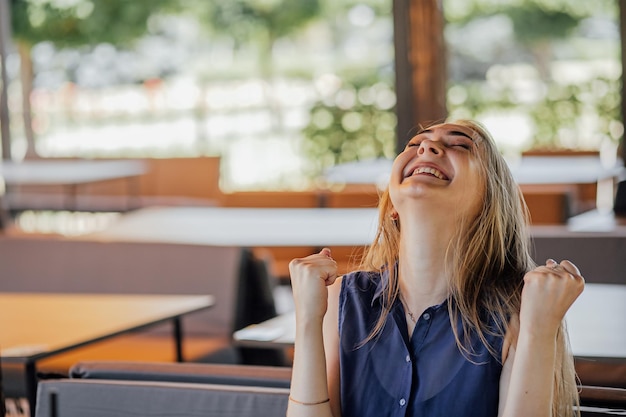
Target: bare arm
column 527, row 381
column 316, row 328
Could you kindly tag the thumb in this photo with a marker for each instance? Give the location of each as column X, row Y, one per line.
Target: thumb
column 326, row 252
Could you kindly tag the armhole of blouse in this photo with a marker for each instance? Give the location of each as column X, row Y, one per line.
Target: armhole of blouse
column 342, row 299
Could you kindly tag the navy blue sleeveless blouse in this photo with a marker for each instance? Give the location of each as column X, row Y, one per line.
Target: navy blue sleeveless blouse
column 426, row 376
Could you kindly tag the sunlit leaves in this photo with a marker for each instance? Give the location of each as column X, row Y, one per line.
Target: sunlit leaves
column 352, row 124
column 82, row 22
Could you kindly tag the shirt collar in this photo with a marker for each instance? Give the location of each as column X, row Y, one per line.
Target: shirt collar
column 381, row 285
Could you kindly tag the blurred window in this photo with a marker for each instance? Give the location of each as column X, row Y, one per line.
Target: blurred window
column 280, row 89
column 284, row 89
column 541, row 74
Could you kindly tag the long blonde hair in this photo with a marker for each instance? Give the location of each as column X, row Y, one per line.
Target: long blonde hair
column 489, row 256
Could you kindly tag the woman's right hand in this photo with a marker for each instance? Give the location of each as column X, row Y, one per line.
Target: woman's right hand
column 309, row 278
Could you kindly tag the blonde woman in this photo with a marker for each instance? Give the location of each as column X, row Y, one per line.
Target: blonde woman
column 449, row 316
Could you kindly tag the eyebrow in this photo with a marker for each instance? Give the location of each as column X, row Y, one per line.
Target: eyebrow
column 451, row 132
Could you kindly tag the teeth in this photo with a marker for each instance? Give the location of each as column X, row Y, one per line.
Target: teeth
column 429, row 170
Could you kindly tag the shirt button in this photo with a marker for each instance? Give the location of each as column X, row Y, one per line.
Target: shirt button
column 402, row 402
column 408, row 358
column 426, row 316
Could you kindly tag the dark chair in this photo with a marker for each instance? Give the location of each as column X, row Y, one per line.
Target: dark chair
column 619, row 206
column 255, row 304
column 602, row 401
column 3, row 409
column 5, row 213
column 104, row 398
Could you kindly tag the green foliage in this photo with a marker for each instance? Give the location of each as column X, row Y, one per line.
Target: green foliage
column 333, row 8
column 463, row 11
column 559, row 111
column 562, row 108
column 243, row 19
column 356, row 123
column 82, row 22
column 533, row 22
column 565, row 106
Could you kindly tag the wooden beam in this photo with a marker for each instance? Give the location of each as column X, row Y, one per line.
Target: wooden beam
column 404, row 83
column 5, row 33
column 421, row 74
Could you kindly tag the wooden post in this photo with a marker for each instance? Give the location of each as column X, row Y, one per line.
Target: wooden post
column 5, row 33
column 421, row 74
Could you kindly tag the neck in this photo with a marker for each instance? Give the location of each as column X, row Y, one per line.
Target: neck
column 422, row 269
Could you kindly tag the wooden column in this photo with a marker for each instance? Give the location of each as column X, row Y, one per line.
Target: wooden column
column 5, row 33
column 421, row 74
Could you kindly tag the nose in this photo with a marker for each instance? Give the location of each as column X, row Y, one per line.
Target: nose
column 429, row 146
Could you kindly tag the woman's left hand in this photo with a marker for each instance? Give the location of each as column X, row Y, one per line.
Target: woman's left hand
column 548, row 293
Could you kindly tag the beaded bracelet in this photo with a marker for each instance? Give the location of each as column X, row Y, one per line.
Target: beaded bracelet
column 304, row 403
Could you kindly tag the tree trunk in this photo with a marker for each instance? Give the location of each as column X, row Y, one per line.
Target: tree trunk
column 26, row 75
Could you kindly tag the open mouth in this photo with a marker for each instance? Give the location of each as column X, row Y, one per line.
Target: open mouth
column 431, row 171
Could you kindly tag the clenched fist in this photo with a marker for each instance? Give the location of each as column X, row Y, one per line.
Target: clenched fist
column 548, row 293
column 309, row 278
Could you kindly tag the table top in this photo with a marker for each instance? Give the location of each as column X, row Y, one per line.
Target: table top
column 597, row 220
column 526, row 170
column 67, row 172
column 261, row 227
column 37, row 325
column 562, row 170
column 271, row 227
column 279, row 331
column 595, row 322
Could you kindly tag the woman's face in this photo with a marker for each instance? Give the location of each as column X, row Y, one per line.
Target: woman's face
column 439, row 171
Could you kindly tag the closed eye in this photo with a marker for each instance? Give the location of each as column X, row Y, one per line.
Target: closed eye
column 463, row 145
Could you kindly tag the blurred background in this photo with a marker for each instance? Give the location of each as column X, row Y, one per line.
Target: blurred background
column 155, row 122
column 280, row 97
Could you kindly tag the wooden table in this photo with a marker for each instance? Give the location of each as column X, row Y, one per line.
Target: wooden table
column 248, row 227
column 36, row 326
column 596, row 324
column 594, row 241
column 226, row 226
column 67, row 172
column 562, row 170
column 71, row 174
column 527, row 170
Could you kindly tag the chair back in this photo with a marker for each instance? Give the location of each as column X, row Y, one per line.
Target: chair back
column 98, row 398
column 602, row 401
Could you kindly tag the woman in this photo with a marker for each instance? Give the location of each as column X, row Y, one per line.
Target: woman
column 449, row 317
